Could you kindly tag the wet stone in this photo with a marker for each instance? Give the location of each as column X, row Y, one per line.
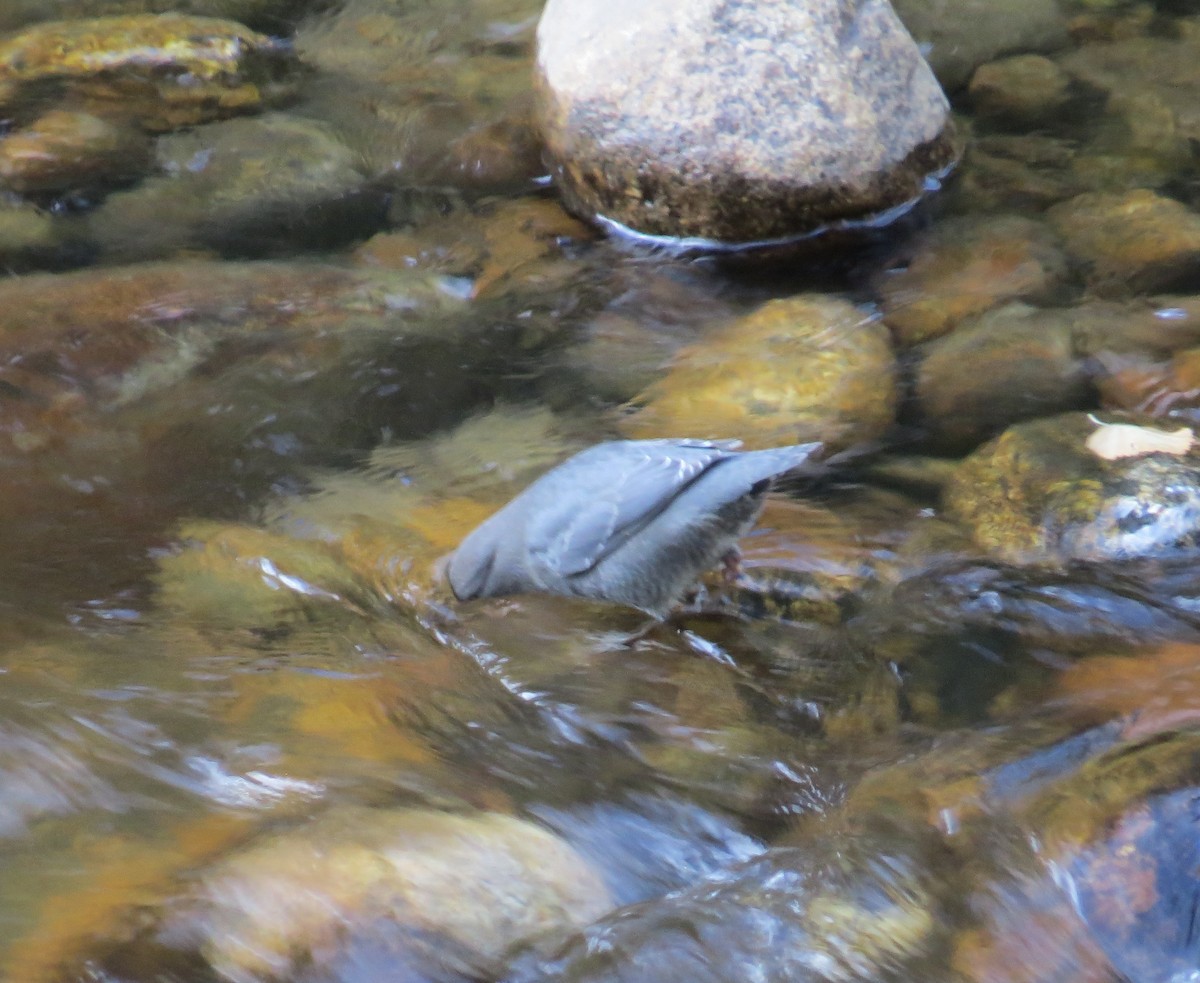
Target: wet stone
column 806, row 368
column 1158, row 65
column 1024, row 89
column 244, row 186
column 964, row 34
column 423, row 98
column 64, row 152
column 422, row 884
column 1016, row 171
column 263, row 15
column 828, row 910
column 736, row 123
column 1138, row 241
column 1023, row 365
column 164, row 72
column 1137, row 888
column 963, row 267
column 1050, row 490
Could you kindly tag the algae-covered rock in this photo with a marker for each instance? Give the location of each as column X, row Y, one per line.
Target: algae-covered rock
column 964, row 266
column 1022, row 364
column 162, row 71
column 738, row 122
column 806, row 368
column 1138, row 241
column 1081, row 487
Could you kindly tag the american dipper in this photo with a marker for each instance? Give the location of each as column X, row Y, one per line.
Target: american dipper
column 631, row 521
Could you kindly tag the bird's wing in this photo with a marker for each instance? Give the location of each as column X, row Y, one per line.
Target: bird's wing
column 572, row 536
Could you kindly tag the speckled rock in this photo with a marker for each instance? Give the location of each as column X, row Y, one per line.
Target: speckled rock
column 245, row 186
column 1138, row 241
column 963, row 34
column 1022, row 364
column 162, row 71
column 963, row 267
column 1041, row 492
column 421, row 880
column 736, row 122
column 1024, row 89
column 71, row 152
column 805, row 368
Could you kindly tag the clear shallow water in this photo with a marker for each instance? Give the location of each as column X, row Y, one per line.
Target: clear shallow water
column 219, row 625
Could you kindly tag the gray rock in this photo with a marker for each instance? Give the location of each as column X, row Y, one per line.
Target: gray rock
column 737, row 122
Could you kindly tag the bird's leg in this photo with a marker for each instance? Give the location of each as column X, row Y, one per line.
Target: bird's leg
column 731, row 566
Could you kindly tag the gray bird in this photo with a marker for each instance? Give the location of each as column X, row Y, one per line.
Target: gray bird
column 632, row 521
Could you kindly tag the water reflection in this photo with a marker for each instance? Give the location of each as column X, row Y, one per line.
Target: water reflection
column 245, row 733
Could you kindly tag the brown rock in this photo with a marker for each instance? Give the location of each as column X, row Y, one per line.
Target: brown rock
column 1022, row 365
column 67, row 151
column 1023, row 89
column 1138, row 241
column 736, row 122
column 805, row 368
column 966, row 265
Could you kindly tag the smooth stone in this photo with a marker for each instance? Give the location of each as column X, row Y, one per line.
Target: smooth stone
column 1133, row 242
column 804, row 368
column 737, row 123
column 1023, row 89
column 1022, row 365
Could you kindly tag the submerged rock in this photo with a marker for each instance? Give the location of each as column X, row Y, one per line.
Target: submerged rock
column 806, row 368
column 849, row 907
column 962, row 34
column 262, row 14
column 964, row 266
column 162, row 71
column 1138, row 241
column 737, row 122
column 425, row 98
column 1081, row 487
column 245, row 187
column 420, row 885
column 1022, row 365
column 1025, row 89
column 72, row 152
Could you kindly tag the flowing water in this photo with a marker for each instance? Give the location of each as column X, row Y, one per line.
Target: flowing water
column 238, row 440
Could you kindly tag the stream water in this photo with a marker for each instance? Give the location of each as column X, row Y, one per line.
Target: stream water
column 250, row 397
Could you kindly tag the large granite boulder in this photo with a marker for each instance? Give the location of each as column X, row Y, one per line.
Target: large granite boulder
column 737, row 122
